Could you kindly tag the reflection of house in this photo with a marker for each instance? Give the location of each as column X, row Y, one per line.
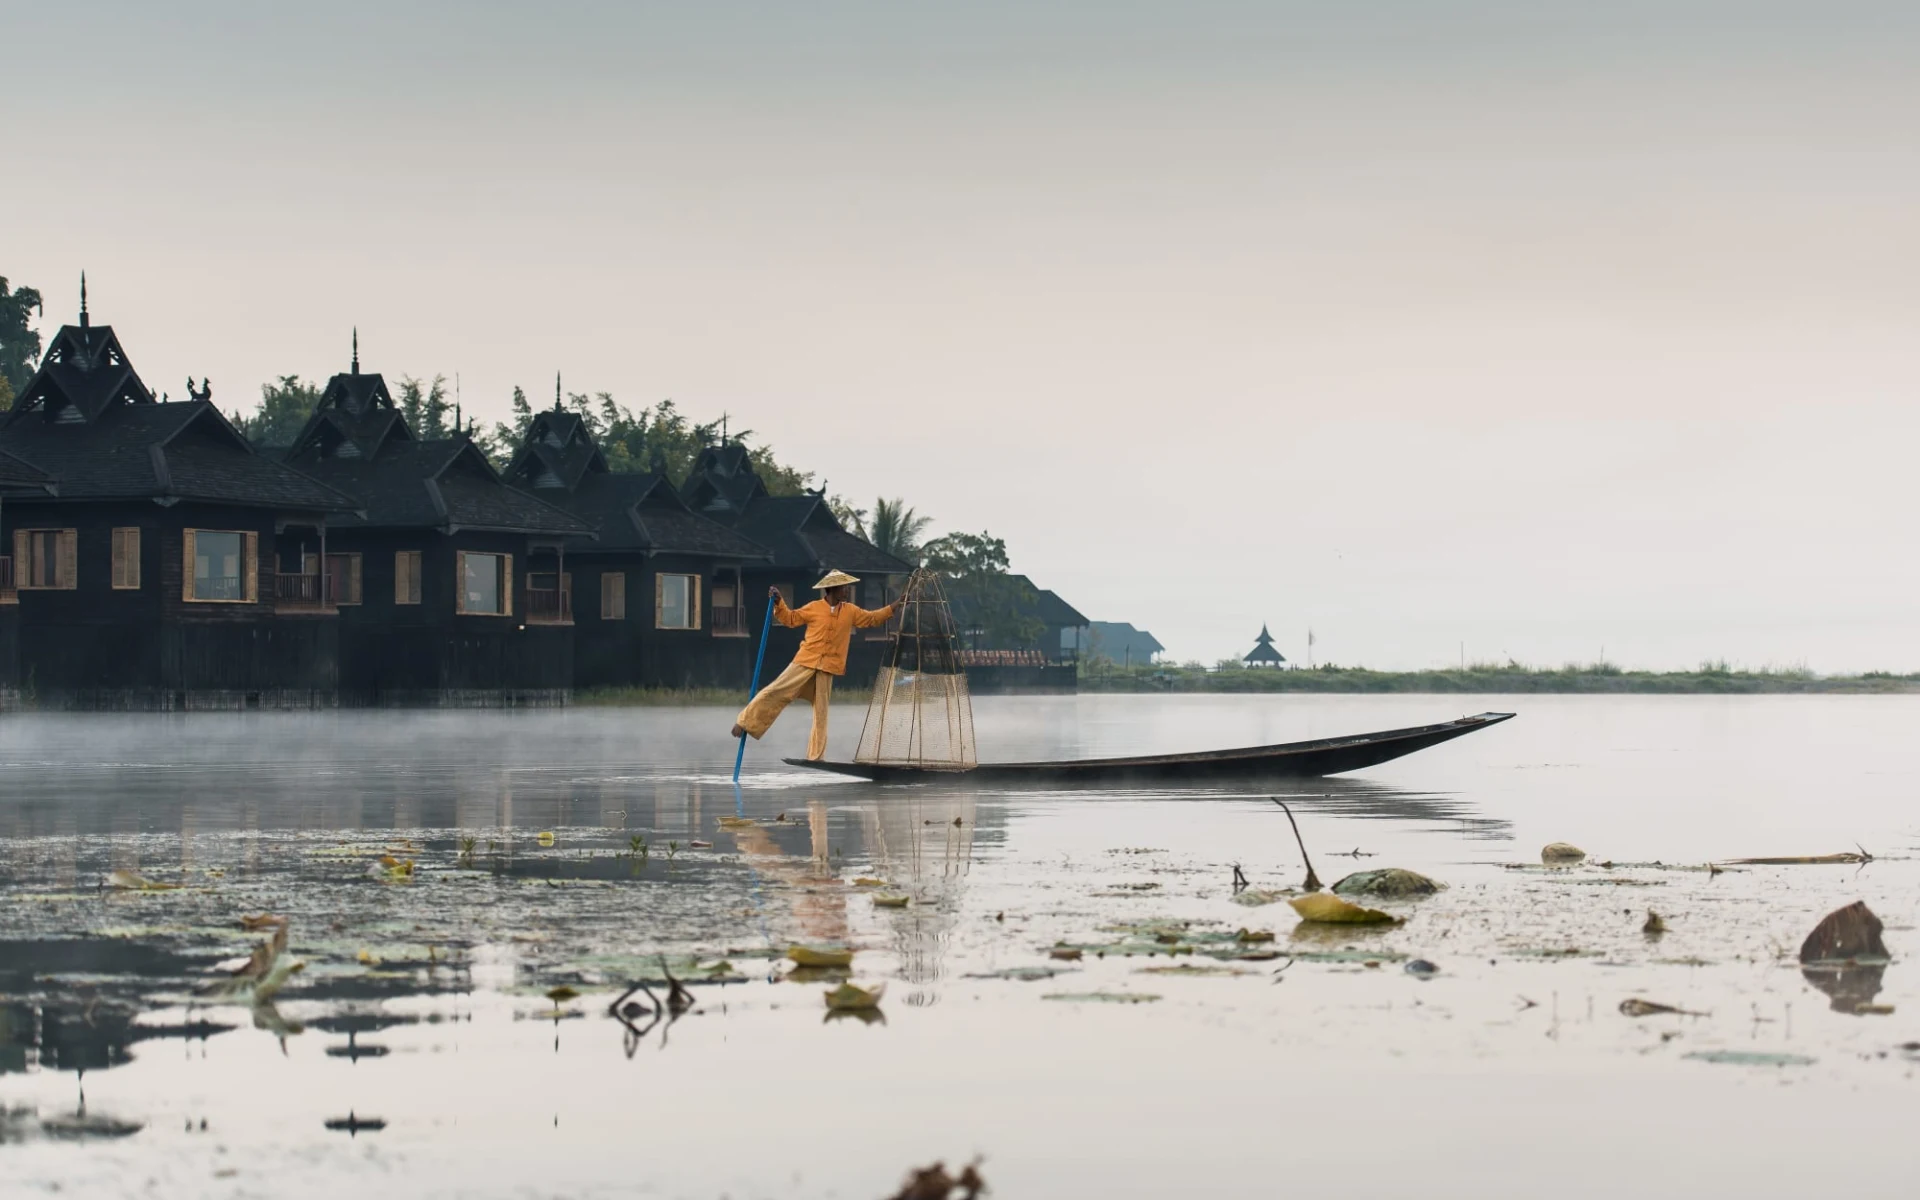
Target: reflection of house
column 661, row 596
column 141, row 574
column 805, row 541
column 1263, row 654
column 447, row 581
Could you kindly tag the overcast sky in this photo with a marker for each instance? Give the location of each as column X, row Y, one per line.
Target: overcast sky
column 1524, row 329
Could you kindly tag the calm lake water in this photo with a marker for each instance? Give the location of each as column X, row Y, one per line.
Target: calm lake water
column 418, row 1048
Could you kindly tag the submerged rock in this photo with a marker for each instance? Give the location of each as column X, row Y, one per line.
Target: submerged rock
column 1562, row 852
column 1390, row 883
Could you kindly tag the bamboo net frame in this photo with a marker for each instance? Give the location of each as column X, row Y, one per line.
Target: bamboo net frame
column 921, row 714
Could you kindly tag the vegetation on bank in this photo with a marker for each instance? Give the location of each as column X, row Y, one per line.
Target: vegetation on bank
column 1604, row 678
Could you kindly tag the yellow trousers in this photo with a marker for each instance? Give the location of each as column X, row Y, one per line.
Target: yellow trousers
column 795, row 683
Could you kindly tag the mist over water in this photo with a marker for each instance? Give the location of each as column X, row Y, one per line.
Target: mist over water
column 424, row 1000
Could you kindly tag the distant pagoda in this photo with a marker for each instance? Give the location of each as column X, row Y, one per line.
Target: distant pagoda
column 1263, row 654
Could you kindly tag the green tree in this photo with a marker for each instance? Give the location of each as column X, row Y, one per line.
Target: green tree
column 896, row 529
column 426, row 407
column 995, row 612
column 659, row 436
column 6, row 394
column 19, row 344
column 285, row 406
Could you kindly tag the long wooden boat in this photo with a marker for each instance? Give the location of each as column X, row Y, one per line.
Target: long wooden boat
column 1290, row 760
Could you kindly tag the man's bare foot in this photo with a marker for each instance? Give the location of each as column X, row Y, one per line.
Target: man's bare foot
column 739, row 732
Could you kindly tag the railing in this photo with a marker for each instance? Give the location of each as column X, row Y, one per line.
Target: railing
column 1002, row 658
column 729, row 622
column 302, row 590
column 551, row 604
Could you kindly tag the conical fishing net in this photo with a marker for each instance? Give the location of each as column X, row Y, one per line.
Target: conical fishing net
column 921, row 714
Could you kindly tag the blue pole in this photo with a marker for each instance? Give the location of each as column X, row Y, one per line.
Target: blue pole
column 758, row 660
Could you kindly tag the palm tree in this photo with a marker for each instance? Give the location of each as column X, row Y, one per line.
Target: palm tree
column 896, row 529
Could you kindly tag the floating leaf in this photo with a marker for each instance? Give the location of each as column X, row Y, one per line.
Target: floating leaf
column 1849, row 934
column 1562, row 852
column 1634, row 1006
column 848, row 998
column 1391, row 883
column 1806, row 860
column 560, row 995
column 1752, row 1058
column 1022, row 974
column 821, row 956
column 1102, row 997
column 1253, row 935
column 1655, row 926
column 367, row 958
column 545, row 839
column 738, row 823
column 865, row 881
column 1420, row 968
column 891, row 901
column 132, row 881
column 1260, row 897
column 1066, row 953
column 1324, row 908
column 1191, row 970
column 263, row 921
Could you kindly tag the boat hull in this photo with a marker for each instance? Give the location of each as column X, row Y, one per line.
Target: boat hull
column 1291, row 760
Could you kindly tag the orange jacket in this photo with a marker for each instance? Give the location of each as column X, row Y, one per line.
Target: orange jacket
column 829, row 629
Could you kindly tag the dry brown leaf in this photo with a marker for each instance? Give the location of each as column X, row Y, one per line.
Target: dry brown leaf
column 1328, row 909
column 821, row 956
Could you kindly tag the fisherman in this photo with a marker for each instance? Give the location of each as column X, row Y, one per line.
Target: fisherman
column 830, row 623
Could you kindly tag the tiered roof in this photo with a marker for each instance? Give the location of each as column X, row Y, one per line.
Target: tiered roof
column 627, row 511
column 801, row 531
column 89, row 429
column 358, row 441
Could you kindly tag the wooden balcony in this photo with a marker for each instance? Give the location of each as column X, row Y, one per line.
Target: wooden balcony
column 549, row 599
column 729, row 622
column 304, row 592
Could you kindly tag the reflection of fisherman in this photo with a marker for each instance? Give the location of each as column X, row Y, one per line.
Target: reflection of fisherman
column 823, row 654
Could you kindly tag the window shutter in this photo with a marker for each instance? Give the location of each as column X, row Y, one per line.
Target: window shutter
column 659, row 599
column 21, row 568
column 133, row 557
column 506, row 585
column 460, row 581
column 250, row 563
column 693, row 601
column 68, row 560
column 353, row 578
column 566, row 596
column 188, row 547
column 400, row 568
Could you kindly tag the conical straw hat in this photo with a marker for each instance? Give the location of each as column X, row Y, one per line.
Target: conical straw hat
column 834, row 579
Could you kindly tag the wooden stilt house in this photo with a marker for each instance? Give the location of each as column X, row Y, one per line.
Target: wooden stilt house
column 660, row 587
column 451, row 587
column 138, row 538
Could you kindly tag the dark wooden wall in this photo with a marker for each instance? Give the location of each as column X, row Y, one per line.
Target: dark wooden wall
column 633, row 653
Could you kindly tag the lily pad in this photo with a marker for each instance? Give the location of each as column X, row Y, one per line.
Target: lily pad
column 1102, row 997
column 1323, row 908
column 1388, row 883
column 850, row 998
column 1751, row 1058
column 1024, row 974
column 1192, row 970
column 821, row 956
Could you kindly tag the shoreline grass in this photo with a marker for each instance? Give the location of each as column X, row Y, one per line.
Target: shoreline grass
column 1589, row 678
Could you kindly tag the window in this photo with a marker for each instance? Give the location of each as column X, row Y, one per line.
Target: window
column 676, row 601
column 343, row 578
column 613, row 596
column 43, row 559
column 406, row 577
column 486, row 584
column 220, row 566
column 126, row 558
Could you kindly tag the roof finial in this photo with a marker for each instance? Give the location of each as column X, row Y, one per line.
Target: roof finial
column 84, row 322
column 556, row 391
column 356, row 349
column 458, row 428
